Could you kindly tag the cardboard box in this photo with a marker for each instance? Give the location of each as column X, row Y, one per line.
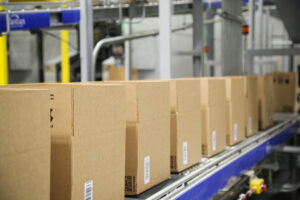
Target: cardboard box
column 118, row 73
column 88, row 125
column 213, row 107
column 251, row 114
column 266, row 96
column 24, row 144
column 147, row 135
column 285, row 85
column 235, row 110
column 185, row 124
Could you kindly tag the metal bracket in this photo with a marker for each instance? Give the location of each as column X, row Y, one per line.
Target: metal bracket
column 270, row 166
column 288, row 187
column 7, row 19
column 290, row 149
column 234, row 18
column 268, row 52
column 188, row 53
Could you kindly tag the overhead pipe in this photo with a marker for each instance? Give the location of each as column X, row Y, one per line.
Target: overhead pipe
column 134, row 36
column 119, row 39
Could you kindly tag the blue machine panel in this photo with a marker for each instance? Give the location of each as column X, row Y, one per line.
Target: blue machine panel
column 25, row 21
column 218, row 4
column 210, row 186
column 70, row 16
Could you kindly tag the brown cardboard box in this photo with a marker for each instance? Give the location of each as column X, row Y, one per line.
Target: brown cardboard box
column 24, row 144
column 185, row 124
column 251, row 114
column 147, row 135
column 88, row 140
column 235, row 110
column 213, row 106
column 118, row 73
column 275, row 77
column 285, row 91
column 266, row 96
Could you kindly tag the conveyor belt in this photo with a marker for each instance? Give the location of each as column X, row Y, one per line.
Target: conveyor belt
column 205, row 179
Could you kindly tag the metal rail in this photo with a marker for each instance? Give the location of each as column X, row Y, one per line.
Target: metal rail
column 267, row 52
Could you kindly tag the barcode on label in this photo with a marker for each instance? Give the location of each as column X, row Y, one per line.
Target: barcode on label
column 130, row 182
column 235, row 132
column 267, row 119
column 185, row 152
column 147, row 170
column 88, row 190
column 173, row 162
column 214, row 140
column 250, row 125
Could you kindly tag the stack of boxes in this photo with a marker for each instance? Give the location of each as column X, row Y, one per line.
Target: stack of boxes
column 87, row 125
column 213, row 108
column 88, row 137
column 251, row 113
column 235, row 110
column 113, row 135
column 186, row 137
column 147, row 135
column 266, row 96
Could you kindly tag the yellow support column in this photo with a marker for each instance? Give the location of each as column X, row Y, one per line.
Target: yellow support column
column 3, row 58
column 65, row 60
column 65, row 64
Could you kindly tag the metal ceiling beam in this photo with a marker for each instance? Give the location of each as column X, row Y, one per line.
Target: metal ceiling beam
column 151, row 10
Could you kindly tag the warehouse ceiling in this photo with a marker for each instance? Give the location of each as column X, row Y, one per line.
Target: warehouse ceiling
column 289, row 11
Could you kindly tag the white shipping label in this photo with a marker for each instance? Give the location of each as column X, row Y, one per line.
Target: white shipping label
column 88, row 190
column 214, row 140
column 147, row 170
column 185, row 152
column 267, row 118
column 250, row 125
column 235, row 132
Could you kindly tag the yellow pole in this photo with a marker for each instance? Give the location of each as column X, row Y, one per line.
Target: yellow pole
column 65, row 64
column 65, row 60
column 3, row 57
